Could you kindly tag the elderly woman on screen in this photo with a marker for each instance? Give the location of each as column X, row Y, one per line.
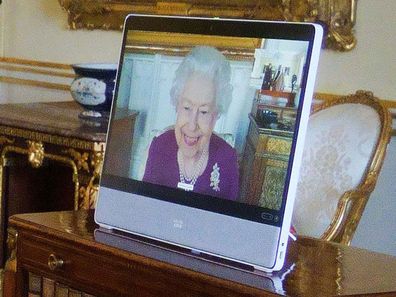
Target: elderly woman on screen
column 190, row 156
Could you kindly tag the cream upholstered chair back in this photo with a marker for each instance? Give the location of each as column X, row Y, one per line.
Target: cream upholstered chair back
column 343, row 154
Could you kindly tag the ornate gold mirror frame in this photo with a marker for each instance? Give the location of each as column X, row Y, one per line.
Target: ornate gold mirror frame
column 337, row 16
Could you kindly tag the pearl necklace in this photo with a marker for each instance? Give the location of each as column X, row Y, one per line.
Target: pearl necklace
column 188, row 183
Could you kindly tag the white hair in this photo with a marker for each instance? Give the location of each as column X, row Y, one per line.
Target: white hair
column 211, row 63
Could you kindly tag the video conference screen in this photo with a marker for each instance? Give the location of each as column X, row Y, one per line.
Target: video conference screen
column 209, row 115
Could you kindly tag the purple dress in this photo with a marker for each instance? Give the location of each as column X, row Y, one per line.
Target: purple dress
column 220, row 177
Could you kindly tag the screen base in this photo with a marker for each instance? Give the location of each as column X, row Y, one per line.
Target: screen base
column 226, row 237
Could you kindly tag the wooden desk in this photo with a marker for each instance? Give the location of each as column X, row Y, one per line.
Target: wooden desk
column 49, row 160
column 313, row 267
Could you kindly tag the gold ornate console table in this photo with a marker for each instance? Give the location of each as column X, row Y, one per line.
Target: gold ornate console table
column 45, row 149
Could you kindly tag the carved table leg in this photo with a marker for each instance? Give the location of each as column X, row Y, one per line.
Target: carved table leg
column 89, row 167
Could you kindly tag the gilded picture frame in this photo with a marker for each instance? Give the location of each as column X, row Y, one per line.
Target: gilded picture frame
column 337, row 16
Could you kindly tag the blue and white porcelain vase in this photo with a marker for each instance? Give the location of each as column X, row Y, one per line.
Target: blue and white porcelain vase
column 93, row 88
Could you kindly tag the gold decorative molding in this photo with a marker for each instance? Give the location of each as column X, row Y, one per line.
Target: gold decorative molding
column 388, row 103
column 12, row 239
column 46, row 73
column 35, row 63
column 81, row 159
column 6, row 140
column 88, row 196
column 34, row 83
column 330, row 97
column 92, row 163
column 35, row 153
column 48, row 138
column 337, row 16
column 36, row 71
column 97, row 158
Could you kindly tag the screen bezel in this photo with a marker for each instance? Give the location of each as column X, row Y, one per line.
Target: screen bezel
column 230, row 28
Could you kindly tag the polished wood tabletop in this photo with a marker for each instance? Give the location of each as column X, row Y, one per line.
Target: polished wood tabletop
column 313, row 267
column 55, row 118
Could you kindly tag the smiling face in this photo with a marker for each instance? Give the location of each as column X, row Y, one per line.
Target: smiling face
column 196, row 115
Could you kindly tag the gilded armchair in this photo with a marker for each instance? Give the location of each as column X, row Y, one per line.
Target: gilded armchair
column 345, row 147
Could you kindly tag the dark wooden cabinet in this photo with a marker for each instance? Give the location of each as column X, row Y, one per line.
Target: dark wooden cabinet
column 66, row 251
